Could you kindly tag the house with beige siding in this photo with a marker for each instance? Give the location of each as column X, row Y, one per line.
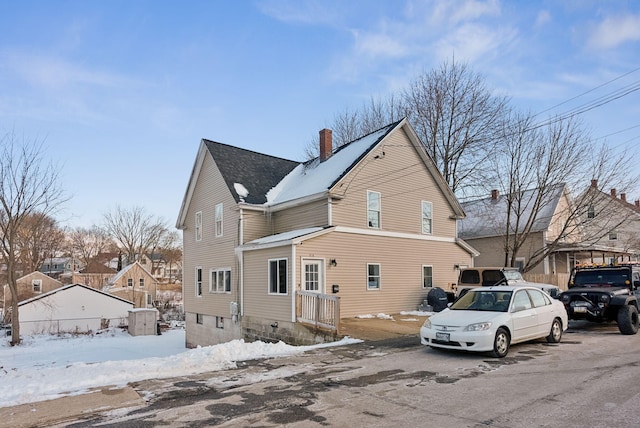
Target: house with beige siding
column 553, row 223
column 134, row 283
column 30, row 285
column 281, row 250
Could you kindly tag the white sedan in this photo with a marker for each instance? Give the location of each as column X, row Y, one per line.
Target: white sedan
column 490, row 319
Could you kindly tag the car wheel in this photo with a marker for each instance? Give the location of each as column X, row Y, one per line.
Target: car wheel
column 556, row 332
column 501, row 343
column 628, row 319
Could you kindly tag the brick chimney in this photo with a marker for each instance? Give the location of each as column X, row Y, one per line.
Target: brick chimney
column 494, row 194
column 613, row 193
column 326, row 144
column 594, row 183
column 623, row 197
column 637, row 203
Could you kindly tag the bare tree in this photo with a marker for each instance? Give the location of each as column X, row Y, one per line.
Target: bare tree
column 536, row 166
column 28, row 187
column 134, row 231
column 87, row 243
column 454, row 113
column 39, row 237
column 169, row 251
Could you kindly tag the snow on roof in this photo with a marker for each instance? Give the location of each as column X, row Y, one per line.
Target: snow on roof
column 285, row 236
column 488, row 217
column 317, row 177
column 240, row 190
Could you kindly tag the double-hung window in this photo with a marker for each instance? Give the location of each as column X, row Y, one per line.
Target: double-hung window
column 220, row 281
column 129, row 282
column 373, row 276
column 373, row 209
column 199, row 226
column 141, row 283
column 219, row 211
column 427, row 276
column 278, row 276
column 427, row 218
column 198, row 281
column 37, row 285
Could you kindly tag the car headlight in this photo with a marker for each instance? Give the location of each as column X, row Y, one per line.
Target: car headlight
column 481, row 326
column 427, row 323
column 566, row 298
column 604, row 298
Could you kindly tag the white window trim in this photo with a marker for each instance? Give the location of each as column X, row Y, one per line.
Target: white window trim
column 278, row 285
column 422, row 217
column 141, row 283
column 379, row 287
column 216, row 271
column 195, row 282
column 220, row 232
column 370, row 192
column 423, row 286
column 33, row 285
column 198, row 226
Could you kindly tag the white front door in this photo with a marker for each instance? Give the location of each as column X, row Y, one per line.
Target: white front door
column 312, row 275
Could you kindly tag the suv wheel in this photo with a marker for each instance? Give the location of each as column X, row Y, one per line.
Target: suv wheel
column 628, row 319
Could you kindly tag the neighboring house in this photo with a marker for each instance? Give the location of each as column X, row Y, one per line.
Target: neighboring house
column 73, row 308
column 61, row 268
column 612, row 226
column 269, row 242
column 94, row 274
column 484, row 228
column 136, row 284
column 165, row 271
column 29, row 286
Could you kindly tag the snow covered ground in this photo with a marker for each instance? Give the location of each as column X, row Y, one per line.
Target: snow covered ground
column 47, row 367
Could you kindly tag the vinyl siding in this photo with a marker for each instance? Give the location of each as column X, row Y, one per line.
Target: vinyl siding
column 211, row 252
column 400, row 260
column 300, row 217
column 403, row 181
column 492, row 251
column 257, row 300
column 255, row 224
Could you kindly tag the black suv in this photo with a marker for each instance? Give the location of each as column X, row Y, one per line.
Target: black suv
column 604, row 293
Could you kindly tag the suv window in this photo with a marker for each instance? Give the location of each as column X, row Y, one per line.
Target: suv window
column 612, row 277
column 490, row 277
column 470, row 277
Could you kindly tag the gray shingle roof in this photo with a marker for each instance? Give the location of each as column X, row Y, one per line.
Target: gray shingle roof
column 257, row 172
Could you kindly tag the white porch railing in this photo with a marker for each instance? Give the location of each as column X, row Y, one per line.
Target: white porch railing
column 320, row 310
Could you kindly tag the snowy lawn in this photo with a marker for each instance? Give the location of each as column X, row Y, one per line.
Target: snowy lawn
column 47, row 367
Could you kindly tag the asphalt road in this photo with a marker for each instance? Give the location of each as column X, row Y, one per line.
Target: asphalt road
column 590, row 379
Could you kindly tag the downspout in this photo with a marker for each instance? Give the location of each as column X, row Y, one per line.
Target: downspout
column 293, row 282
column 329, row 212
column 240, row 256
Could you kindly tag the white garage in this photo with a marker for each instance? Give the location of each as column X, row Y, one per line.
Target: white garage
column 74, row 308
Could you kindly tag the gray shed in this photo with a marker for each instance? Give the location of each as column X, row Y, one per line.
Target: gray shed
column 143, row 322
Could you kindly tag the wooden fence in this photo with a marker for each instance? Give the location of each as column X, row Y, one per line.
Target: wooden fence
column 559, row 279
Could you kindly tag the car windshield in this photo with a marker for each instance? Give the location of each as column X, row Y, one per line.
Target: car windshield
column 485, row 300
column 611, row 278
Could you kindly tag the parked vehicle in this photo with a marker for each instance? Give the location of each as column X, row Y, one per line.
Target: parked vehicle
column 488, row 276
column 605, row 293
column 491, row 319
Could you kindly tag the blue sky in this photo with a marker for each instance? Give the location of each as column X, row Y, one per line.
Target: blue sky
column 121, row 92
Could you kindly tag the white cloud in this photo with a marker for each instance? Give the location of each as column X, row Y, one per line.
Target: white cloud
column 471, row 42
column 614, row 31
column 471, row 10
column 299, row 12
column 543, row 18
column 54, row 73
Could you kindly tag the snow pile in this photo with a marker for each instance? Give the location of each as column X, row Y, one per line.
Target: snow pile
column 47, row 367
